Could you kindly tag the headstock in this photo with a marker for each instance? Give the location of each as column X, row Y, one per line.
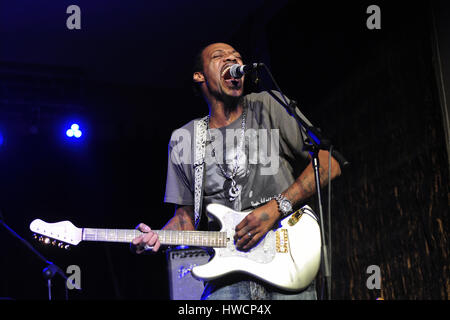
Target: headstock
column 60, row 234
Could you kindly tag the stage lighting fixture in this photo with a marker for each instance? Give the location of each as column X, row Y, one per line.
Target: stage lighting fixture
column 74, row 131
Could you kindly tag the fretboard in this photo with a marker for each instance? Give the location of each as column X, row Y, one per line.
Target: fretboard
column 166, row 237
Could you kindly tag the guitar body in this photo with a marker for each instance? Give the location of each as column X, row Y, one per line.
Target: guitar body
column 288, row 257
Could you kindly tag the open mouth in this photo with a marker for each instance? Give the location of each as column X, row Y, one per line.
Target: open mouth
column 228, row 78
column 225, row 74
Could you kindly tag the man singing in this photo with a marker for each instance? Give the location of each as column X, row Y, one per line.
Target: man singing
column 254, row 161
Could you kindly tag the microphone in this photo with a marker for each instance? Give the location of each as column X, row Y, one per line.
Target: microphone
column 238, row 71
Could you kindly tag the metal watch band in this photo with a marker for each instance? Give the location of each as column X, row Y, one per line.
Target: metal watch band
column 280, row 198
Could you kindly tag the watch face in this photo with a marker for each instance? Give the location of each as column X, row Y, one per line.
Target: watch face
column 285, row 206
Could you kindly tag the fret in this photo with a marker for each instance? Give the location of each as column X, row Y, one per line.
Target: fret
column 101, row 234
column 137, row 233
column 121, row 236
column 88, row 234
column 181, row 237
column 130, row 235
column 111, row 235
column 162, row 236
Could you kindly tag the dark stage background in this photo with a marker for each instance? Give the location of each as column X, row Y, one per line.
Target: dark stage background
column 125, row 76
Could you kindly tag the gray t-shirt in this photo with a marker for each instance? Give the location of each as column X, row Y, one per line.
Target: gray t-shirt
column 273, row 158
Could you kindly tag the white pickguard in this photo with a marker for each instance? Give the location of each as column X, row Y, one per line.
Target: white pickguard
column 287, row 257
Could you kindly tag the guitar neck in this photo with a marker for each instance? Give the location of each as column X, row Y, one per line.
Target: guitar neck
column 166, row 237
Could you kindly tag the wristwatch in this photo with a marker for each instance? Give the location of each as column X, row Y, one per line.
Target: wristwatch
column 284, row 205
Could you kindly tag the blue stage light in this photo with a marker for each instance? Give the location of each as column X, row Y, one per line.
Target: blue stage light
column 77, row 133
column 69, row 133
column 1, row 139
column 74, row 131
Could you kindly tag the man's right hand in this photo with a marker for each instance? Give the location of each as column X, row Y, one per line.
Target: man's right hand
column 147, row 241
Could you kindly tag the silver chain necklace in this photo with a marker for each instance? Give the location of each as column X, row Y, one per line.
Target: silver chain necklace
column 235, row 189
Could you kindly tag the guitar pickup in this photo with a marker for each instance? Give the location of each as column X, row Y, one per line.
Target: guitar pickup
column 281, row 241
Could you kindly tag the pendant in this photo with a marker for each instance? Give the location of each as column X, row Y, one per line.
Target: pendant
column 234, row 191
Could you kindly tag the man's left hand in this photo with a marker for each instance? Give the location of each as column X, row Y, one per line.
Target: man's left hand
column 255, row 225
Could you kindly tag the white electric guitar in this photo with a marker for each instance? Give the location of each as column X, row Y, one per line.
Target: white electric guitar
column 288, row 257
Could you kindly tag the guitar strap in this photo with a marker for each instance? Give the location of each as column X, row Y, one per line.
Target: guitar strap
column 200, row 128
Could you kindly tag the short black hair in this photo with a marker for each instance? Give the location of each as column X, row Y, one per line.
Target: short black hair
column 197, row 67
column 198, row 61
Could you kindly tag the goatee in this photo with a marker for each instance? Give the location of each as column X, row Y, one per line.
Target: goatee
column 231, row 104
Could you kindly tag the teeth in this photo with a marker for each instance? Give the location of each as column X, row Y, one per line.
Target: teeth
column 225, row 70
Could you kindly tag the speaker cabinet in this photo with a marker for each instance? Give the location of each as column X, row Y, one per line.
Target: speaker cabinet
column 181, row 260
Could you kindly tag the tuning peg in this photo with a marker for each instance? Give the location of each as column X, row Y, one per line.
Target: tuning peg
column 47, row 241
column 35, row 236
column 41, row 239
column 67, row 247
column 54, row 242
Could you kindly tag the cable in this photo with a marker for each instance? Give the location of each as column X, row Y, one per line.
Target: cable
column 330, row 256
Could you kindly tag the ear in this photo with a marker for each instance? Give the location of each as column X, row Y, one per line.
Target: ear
column 198, row 77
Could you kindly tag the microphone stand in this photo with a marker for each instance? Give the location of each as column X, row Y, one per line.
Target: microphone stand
column 313, row 143
column 49, row 271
